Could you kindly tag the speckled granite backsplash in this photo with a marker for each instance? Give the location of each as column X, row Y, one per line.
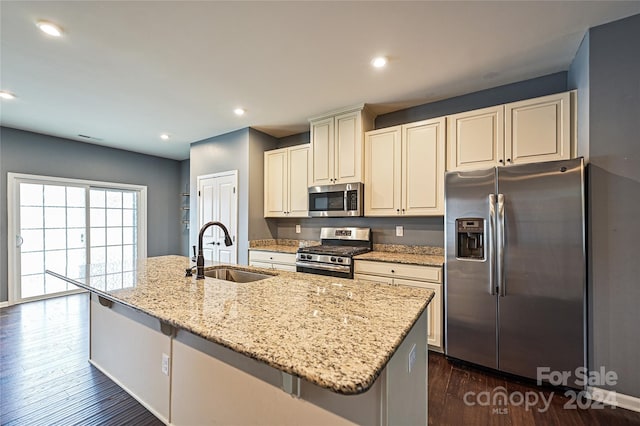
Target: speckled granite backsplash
column 282, row 242
column 397, row 248
column 391, row 248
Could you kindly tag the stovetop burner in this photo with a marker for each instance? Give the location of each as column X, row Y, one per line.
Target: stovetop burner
column 334, row 250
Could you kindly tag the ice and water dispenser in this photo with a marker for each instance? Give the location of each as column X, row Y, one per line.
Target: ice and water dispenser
column 470, row 238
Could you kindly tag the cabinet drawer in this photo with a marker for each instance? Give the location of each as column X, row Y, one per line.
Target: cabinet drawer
column 272, row 257
column 265, row 265
column 374, row 278
column 399, row 270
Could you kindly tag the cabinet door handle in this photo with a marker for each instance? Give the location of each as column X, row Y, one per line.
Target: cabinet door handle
column 500, row 161
column 398, row 210
column 508, row 160
column 393, row 271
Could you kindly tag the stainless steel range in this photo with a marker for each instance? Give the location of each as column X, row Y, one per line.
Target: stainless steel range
column 334, row 256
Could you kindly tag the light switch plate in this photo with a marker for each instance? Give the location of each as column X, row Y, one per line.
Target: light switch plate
column 298, row 229
column 399, row 231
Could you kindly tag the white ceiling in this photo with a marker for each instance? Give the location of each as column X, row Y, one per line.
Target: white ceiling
column 127, row 71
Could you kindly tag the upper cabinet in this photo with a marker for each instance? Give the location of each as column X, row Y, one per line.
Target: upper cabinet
column 404, row 170
column 528, row 131
column 337, row 141
column 286, row 182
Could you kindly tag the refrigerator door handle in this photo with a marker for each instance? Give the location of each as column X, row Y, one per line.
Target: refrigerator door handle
column 500, row 246
column 492, row 243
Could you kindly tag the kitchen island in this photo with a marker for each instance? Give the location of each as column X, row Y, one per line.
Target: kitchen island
column 290, row 349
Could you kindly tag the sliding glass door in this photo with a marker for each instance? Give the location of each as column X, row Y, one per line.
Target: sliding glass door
column 52, row 236
column 63, row 224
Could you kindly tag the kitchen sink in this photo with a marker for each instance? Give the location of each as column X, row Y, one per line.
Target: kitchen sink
column 235, row 275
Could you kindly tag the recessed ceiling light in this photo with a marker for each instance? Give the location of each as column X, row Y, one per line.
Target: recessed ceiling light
column 49, row 28
column 164, row 137
column 379, row 62
column 7, row 95
column 239, row 111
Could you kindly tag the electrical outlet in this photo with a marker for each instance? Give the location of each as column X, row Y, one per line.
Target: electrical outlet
column 165, row 364
column 298, row 229
column 412, row 357
column 399, row 231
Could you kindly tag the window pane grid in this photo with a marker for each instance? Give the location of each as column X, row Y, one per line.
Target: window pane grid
column 113, row 232
column 53, row 227
column 52, row 231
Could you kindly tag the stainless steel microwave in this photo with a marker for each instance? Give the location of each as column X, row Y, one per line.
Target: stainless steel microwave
column 338, row 200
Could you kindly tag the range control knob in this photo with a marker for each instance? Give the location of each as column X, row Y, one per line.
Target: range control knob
column 333, row 259
column 340, row 260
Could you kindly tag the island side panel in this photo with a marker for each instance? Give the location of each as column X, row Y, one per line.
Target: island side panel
column 407, row 390
column 128, row 346
column 214, row 385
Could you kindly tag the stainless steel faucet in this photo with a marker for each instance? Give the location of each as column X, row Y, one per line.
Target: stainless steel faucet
column 200, row 259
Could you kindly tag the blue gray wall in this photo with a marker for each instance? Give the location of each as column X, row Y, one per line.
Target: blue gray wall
column 33, row 153
column 425, row 230
column 614, row 200
column 578, row 78
column 237, row 150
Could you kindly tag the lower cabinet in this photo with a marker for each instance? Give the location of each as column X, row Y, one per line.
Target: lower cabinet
column 272, row 260
column 412, row 275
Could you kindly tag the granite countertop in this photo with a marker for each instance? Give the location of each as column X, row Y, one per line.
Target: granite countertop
column 280, row 245
column 336, row 333
column 408, row 258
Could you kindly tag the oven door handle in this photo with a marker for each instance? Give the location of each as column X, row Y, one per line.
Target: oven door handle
column 325, row 266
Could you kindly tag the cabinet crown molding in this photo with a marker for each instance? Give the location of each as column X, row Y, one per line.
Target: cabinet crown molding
column 345, row 110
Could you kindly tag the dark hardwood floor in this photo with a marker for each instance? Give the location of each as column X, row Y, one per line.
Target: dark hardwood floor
column 45, row 379
column 454, row 386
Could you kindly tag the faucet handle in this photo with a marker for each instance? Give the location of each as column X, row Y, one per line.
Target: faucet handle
column 188, row 272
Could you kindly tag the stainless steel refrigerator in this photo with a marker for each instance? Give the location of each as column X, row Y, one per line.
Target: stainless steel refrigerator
column 515, row 267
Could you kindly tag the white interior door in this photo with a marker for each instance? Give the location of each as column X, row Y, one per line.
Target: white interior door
column 218, row 201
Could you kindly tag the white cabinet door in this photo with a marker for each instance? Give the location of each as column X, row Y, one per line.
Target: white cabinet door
column 337, row 143
column 382, row 192
column 298, row 178
column 434, row 310
column 348, row 148
column 412, row 275
column 404, row 170
column 538, row 129
column 322, row 146
column 423, row 168
column 276, row 183
column 286, row 179
column 475, row 139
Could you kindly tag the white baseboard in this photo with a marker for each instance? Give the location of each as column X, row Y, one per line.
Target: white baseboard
column 4, row 304
column 614, row 398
